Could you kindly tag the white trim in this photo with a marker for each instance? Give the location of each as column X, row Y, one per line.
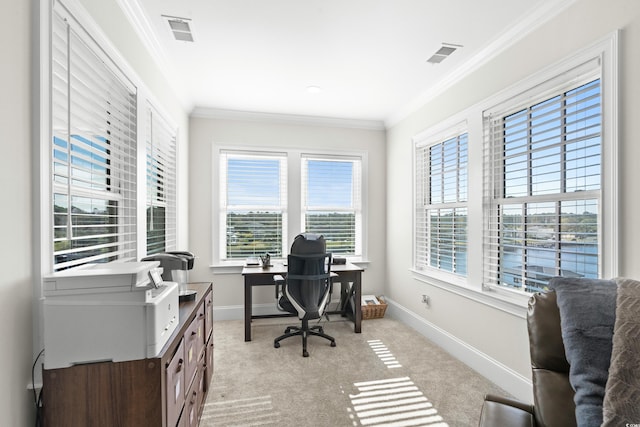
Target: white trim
column 449, row 128
column 508, row 379
column 610, row 145
column 134, row 13
column 532, row 21
column 294, row 119
column 42, row 194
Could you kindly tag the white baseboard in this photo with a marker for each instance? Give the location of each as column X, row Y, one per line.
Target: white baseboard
column 504, row 377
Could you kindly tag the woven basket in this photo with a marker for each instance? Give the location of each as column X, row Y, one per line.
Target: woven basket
column 374, row 311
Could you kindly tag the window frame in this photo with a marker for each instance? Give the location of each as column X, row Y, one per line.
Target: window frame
column 224, row 206
column 356, row 197
column 423, row 202
column 502, row 198
column 120, row 154
column 597, row 61
column 295, row 222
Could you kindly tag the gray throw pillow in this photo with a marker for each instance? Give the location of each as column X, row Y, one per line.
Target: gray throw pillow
column 622, row 394
column 587, row 317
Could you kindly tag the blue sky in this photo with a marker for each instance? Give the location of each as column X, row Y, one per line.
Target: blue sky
column 329, row 182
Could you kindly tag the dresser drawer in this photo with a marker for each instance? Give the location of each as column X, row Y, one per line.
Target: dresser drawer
column 175, row 385
column 201, row 334
column 208, row 364
column 193, row 401
column 191, row 352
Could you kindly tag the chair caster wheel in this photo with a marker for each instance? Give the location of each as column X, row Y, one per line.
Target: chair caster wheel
column 333, row 343
column 305, row 353
column 276, row 345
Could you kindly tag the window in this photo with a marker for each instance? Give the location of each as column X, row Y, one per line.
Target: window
column 266, row 198
column 544, row 185
column 253, row 204
column 93, row 151
column 441, row 205
column 331, row 202
column 161, row 184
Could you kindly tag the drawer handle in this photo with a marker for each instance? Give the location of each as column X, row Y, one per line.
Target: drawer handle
column 180, row 363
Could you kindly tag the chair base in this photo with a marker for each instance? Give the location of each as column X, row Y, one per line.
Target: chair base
column 304, row 331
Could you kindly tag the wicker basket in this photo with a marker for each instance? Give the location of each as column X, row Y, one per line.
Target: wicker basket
column 374, row 311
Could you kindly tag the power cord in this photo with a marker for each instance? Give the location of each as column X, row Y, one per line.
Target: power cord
column 37, row 397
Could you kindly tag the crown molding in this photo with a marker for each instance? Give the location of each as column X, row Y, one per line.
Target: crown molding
column 295, row 119
column 508, row 38
column 141, row 25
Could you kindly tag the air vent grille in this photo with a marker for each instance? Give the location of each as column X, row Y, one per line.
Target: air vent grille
column 442, row 53
column 180, row 28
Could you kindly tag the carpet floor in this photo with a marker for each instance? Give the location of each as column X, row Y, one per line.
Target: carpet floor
column 387, row 376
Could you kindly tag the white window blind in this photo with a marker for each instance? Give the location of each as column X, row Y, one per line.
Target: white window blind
column 253, row 216
column 93, row 148
column 332, row 201
column 161, row 183
column 441, row 205
column 543, row 186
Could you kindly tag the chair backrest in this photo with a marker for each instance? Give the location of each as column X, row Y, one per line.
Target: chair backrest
column 308, row 275
column 552, row 392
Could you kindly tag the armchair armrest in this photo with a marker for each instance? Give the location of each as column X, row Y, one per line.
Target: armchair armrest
column 501, row 411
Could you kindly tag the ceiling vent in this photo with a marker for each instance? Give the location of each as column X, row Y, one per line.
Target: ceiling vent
column 180, row 28
column 442, row 53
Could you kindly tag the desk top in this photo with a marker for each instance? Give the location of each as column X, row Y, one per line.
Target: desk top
column 280, row 268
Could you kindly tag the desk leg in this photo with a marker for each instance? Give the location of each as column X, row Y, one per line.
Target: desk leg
column 247, row 309
column 357, row 283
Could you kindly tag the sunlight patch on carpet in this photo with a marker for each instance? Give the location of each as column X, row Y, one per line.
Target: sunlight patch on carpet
column 384, row 354
column 256, row 411
column 394, row 402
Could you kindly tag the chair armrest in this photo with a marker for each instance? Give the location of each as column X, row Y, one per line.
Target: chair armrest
column 501, row 411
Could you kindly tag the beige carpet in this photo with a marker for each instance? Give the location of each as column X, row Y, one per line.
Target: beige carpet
column 389, row 375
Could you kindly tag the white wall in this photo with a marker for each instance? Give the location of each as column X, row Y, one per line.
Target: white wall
column 15, row 251
column 205, row 132
column 489, row 332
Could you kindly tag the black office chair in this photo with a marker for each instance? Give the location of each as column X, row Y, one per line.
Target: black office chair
column 307, row 287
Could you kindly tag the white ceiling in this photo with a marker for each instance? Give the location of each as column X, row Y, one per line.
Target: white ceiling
column 368, row 56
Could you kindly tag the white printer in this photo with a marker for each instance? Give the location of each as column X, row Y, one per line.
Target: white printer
column 107, row 312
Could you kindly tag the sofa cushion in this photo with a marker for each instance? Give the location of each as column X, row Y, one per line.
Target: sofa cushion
column 587, row 316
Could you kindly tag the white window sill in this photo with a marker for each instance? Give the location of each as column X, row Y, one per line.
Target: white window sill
column 511, row 302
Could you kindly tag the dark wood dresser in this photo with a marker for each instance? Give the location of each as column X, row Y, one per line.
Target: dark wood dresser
column 167, row 390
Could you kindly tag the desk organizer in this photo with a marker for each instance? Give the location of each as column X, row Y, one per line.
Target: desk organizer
column 374, row 311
